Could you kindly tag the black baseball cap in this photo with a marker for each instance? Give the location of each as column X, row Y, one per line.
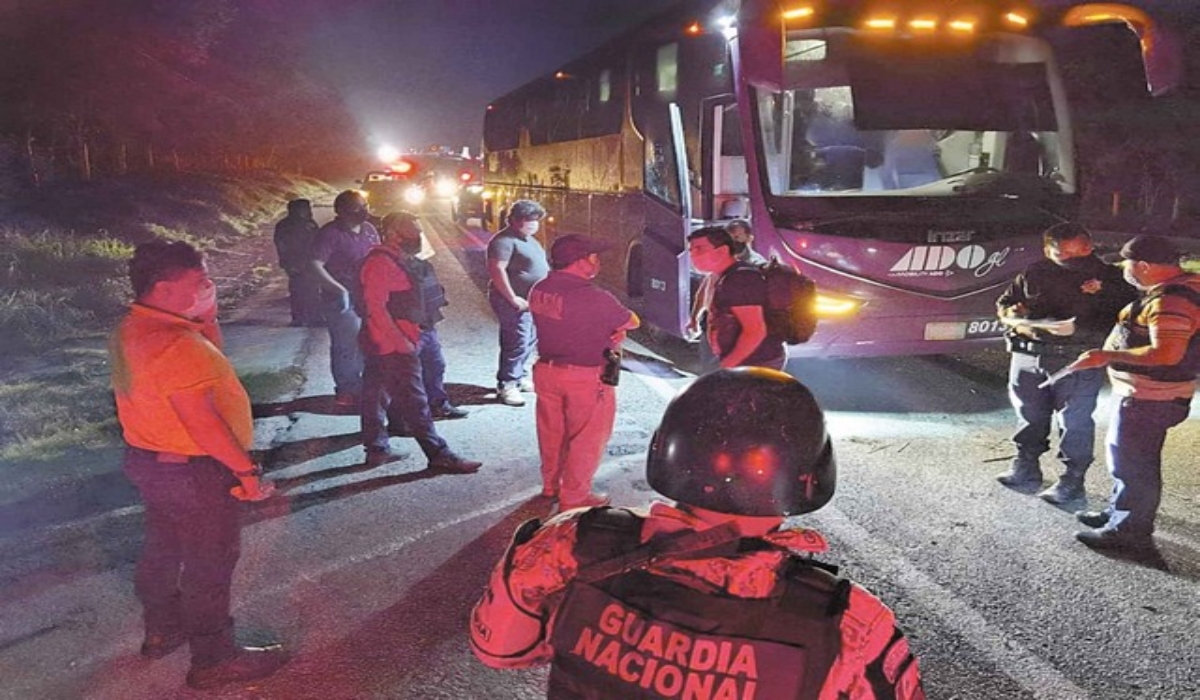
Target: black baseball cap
column 573, row 246
column 1151, row 249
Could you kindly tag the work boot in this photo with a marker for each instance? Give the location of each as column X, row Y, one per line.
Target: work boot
column 1025, row 474
column 450, row 462
column 1067, row 489
column 1112, row 538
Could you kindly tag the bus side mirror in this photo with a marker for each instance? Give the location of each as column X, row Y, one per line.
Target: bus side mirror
column 1162, row 50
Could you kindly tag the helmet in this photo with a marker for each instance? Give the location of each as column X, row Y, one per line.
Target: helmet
column 745, row 441
column 525, row 209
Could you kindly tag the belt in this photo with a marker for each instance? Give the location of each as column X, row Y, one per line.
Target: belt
column 564, row 365
column 167, row 457
column 1027, row 346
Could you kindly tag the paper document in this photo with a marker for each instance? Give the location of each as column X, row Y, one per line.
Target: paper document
column 1059, row 374
column 1053, row 326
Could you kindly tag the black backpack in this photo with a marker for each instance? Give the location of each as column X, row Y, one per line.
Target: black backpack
column 791, row 309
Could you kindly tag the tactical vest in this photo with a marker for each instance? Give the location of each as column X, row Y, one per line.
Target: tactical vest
column 1130, row 334
column 422, row 303
column 637, row 635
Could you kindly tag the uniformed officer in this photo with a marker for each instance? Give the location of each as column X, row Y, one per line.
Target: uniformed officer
column 708, row 597
column 1054, row 310
column 577, row 322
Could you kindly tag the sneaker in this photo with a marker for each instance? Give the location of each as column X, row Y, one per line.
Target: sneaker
column 1111, row 538
column 450, row 462
column 1065, row 491
column 1093, row 518
column 592, row 500
column 247, row 665
column 510, row 396
column 526, row 385
column 449, row 411
column 157, row 646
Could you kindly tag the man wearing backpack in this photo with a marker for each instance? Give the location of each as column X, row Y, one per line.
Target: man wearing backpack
column 708, row 596
column 1152, row 355
column 737, row 321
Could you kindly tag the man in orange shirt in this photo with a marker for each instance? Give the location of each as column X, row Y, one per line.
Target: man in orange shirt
column 188, row 428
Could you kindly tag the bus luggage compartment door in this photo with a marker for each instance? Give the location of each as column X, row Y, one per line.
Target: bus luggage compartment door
column 666, row 278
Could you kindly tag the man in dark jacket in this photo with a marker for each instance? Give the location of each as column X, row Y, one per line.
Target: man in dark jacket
column 294, row 236
column 1057, row 308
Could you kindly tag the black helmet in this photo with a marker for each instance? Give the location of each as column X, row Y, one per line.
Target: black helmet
column 525, row 210
column 745, row 441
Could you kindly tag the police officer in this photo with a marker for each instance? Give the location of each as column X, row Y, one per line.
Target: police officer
column 1153, row 356
column 1054, row 310
column 708, row 597
column 576, row 323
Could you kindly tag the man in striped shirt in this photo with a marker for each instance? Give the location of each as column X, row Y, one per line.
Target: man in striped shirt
column 1152, row 356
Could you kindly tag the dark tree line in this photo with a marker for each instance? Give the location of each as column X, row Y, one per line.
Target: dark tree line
column 91, row 89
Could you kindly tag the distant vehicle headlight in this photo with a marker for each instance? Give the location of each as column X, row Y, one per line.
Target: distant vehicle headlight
column 414, row 194
column 445, row 187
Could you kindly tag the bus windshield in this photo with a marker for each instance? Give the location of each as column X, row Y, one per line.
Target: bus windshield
column 874, row 116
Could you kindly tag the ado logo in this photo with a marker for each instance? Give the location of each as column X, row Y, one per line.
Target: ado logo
column 938, row 260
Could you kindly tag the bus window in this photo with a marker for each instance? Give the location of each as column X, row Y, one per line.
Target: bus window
column 858, row 117
column 667, row 73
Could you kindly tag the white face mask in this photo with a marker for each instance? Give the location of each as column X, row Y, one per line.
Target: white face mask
column 528, row 228
column 206, row 301
column 1127, row 273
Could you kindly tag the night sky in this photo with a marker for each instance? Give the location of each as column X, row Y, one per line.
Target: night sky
column 421, row 72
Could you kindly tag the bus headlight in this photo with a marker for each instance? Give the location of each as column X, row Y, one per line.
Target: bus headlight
column 445, row 187
column 415, row 194
column 836, row 305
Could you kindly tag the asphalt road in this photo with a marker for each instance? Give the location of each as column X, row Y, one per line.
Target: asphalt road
column 369, row 574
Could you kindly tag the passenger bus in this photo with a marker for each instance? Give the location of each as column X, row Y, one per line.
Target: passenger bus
column 905, row 155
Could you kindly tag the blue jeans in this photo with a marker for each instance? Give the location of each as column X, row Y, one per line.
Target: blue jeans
column 518, row 339
column 192, row 543
column 433, row 368
column 345, row 356
column 1072, row 400
column 1136, row 433
column 395, row 381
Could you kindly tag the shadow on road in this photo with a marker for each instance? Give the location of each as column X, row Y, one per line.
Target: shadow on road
column 324, row 404
column 381, row 657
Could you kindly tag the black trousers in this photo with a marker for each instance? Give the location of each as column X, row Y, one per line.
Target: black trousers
column 193, row 538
